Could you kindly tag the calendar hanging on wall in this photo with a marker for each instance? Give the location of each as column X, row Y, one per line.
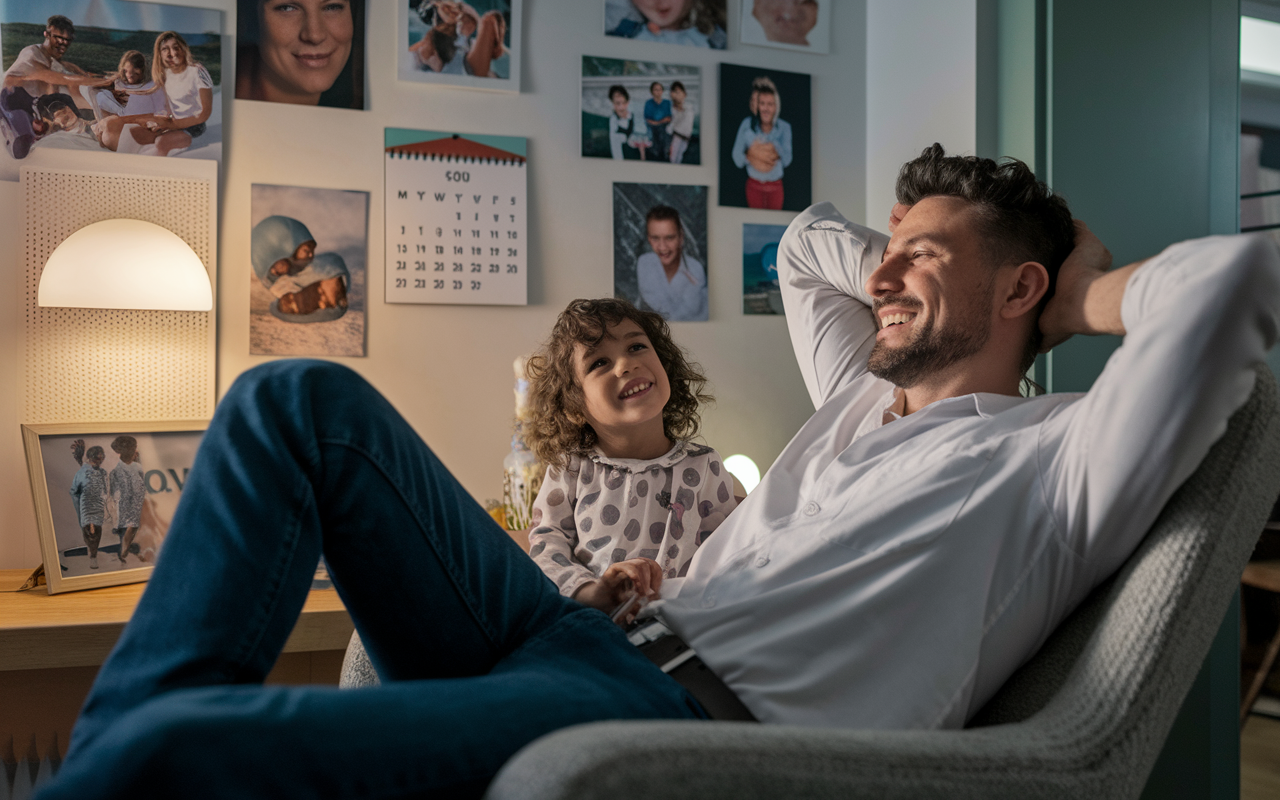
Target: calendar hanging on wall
column 455, row 218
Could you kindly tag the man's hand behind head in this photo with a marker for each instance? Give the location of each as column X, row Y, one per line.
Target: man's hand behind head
column 1065, row 314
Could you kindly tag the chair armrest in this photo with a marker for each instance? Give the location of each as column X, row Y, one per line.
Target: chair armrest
column 709, row 760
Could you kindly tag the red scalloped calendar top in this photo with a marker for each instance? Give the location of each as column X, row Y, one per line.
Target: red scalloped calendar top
column 456, row 147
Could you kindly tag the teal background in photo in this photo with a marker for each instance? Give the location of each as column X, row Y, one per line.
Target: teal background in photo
column 760, row 292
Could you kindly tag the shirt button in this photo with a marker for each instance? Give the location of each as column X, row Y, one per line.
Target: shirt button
column 811, row 508
column 762, row 561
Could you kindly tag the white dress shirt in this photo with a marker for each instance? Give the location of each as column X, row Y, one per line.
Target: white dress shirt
column 682, row 298
column 893, row 572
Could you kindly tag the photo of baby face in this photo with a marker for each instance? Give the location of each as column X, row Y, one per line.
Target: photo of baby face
column 788, row 24
column 692, row 23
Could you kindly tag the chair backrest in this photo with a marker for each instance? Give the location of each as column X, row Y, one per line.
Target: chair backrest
column 1109, row 682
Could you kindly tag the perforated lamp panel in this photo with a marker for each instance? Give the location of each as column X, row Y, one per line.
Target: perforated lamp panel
column 89, row 364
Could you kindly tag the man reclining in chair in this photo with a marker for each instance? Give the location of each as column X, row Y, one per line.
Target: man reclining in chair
column 917, row 541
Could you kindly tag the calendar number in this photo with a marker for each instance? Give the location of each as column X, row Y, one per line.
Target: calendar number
column 475, row 285
column 512, row 252
column 439, row 249
column 439, row 266
column 457, row 284
column 475, row 267
column 457, row 266
column 419, row 283
column 493, row 267
column 512, row 235
column 402, row 248
column 401, row 283
column 400, row 265
column 438, row 283
column 512, row 268
column 457, row 249
column 418, row 266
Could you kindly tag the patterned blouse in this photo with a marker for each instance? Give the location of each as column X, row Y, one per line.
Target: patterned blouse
column 598, row 511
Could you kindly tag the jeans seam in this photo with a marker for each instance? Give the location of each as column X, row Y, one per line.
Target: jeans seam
column 271, row 594
column 418, row 514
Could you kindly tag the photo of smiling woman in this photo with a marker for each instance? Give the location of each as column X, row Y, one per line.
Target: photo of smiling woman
column 304, row 52
column 660, row 249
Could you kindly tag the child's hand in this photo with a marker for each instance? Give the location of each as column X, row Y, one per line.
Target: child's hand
column 640, row 575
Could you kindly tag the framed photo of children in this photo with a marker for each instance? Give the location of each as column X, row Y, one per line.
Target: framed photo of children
column 474, row 44
column 149, row 82
column 660, row 248
column 693, row 23
column 760, row 291
column 766, row 156
column 105, row 493
column 803, row 25
column 308, row 285
column 307, row 52
column 641, row 111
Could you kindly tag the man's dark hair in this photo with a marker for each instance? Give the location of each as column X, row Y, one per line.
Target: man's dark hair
column 1020, row 218
column 660, row 212
column 618, row 88
column 678, row 85
column 59, row 23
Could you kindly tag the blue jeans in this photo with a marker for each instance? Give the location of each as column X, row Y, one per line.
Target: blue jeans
column 478, row 651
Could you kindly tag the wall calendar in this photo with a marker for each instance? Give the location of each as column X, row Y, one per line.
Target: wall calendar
column 455, row 218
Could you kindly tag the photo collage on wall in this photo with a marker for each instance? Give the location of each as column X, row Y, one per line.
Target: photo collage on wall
column 653, row 111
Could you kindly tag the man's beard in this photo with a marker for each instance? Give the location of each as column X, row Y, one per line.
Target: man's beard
column 931, row 349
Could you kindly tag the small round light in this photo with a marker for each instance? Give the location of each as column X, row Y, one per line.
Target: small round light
column 745, row 470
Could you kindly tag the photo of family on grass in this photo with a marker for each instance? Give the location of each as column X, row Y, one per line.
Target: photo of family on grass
column 97, row 75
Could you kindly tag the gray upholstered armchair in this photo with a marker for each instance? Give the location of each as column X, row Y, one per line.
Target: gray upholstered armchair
column 1086, row 717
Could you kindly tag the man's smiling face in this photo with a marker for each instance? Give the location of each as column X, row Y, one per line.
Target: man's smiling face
column 932, row 293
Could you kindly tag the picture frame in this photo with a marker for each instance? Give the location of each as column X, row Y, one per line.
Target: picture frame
column 411, row 30
column 800, row 25
column 139, row 474
column 611, row 85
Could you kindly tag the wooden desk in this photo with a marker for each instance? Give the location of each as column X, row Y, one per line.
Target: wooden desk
column 52, row 645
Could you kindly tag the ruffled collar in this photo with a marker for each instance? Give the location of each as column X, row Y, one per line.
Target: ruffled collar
column 678, row 452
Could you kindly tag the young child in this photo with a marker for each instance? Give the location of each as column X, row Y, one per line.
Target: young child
column 681, row 122
column 624, row 128
column 627, row 496
column 89, row 494
column 697, row 23
column 657, row 116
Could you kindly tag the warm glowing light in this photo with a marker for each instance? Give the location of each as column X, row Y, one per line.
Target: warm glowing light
column 745, row 470
column 126, row 264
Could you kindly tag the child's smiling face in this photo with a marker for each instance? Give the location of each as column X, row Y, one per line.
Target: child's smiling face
column 621, row 105
column 624, row 385
column 665, row 14
column 677, row 96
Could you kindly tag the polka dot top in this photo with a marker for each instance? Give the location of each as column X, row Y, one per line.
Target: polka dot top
column 598, row 511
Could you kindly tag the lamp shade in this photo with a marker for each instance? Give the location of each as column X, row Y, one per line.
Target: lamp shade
column 126, row 264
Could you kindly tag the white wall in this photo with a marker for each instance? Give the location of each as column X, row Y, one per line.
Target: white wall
column 921, row 87
column 448, row 368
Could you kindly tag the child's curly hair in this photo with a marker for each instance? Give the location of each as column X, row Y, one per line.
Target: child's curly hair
column 558, row 427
